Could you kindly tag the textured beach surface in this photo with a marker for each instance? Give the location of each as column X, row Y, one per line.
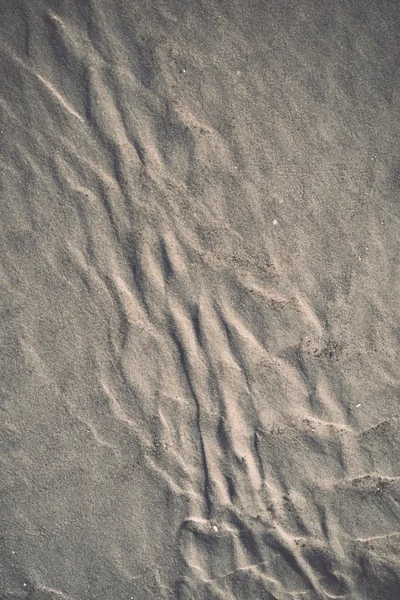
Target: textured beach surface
column 200, row 300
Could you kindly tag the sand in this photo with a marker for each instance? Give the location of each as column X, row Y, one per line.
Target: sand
column 200, row 300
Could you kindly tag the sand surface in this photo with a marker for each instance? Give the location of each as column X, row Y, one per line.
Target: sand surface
column 200, row 300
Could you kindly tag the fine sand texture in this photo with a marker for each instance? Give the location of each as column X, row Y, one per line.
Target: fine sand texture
column 200, row 307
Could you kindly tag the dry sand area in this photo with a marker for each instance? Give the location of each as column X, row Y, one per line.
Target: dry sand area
column 200, row 251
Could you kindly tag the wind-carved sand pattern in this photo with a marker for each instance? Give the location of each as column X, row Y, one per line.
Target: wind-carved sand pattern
column 201, row 281
column 245, row 533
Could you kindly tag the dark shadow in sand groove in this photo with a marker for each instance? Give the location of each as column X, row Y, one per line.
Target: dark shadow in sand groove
column 186, row 371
